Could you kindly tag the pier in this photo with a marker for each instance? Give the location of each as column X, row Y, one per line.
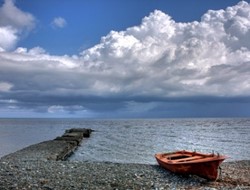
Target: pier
column 73, row 138
column 58, row 149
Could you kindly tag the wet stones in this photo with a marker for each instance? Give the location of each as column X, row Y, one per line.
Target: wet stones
column 79, row 131
column 73, row 138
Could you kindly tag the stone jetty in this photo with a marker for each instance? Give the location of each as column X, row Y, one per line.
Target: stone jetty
column 73, row 138
column 58, row 149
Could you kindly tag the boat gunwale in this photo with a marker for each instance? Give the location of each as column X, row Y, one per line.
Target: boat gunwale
column 203, row 159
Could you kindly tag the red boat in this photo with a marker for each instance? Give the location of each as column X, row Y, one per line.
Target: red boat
column 186, row 162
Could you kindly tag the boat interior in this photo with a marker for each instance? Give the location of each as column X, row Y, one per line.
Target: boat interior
column 188, row 157
column 183, row 157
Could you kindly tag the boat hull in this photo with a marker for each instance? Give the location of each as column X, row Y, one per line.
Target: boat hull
column 203, row 165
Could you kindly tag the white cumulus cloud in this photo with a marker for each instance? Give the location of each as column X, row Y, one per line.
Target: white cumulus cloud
column 13, row 23
column 59, row 22
column 8, row 38
column 166, row 58
column 158, row 60
column 5, row 86
column 10, row 15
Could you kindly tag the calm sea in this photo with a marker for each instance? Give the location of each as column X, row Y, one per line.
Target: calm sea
column 133, row 141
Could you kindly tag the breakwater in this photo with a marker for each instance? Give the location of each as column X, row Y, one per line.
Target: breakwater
column 73, row 138
column 58, row 149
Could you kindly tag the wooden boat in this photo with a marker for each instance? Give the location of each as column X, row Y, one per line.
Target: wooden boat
column 186, row 162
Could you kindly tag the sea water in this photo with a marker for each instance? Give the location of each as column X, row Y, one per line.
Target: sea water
column 136, row 140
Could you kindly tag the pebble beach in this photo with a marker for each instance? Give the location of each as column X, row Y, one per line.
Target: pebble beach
column 37, row 168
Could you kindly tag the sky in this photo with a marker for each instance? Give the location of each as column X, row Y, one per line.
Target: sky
column 124, row 59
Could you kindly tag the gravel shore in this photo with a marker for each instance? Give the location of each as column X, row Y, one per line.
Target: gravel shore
column 34, row 168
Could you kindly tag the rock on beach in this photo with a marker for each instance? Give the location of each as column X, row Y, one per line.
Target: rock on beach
column 42, row 167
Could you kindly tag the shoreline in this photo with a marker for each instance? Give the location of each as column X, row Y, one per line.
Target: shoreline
column 38, row 167
column 60, row 175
